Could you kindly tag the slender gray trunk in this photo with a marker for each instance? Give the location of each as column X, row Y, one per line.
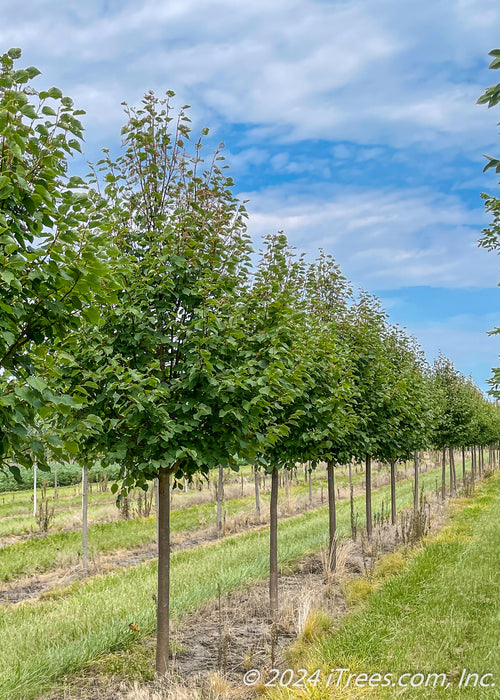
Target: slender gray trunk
column 85, row 532
column 393, row 491
column 273, row 544
column 453, row 475
column 163, row 603
column 55, row 480
column 287, row 488
column 443, row 476
column 257, row 491
column 463, row 465
column 34, row 488
column 368, row 490
column 310, row 486
column 332, row 518
column 415, row 483
column 220, row 499
column 351, row 502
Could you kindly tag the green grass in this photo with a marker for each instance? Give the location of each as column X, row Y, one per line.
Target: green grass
column 91, row 617
column 38, row 555
column 441, row 614
column 41, row 554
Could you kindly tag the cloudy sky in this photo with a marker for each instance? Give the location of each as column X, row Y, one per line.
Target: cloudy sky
column 350, row 124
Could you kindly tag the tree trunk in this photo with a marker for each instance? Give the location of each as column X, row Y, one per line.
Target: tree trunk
column 34, row 488
column 287, row 488
column 85, row 532
column 220, row 499
column 332, row 518
column 55, row 480
column 463, row 465
column 273, row 545
column 415, row 483
column 368, row 479
column 310, row 486
column 453, row 475
column 473, row 462
column 351, row 501
column 257, row 491
column 163, row 609
column 157, row 508
column 443, row 476
column 393, row 491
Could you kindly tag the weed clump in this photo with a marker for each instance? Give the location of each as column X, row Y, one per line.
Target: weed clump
column 357, row 590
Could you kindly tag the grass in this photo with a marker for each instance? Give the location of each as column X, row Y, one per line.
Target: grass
column 38, row 555
column 440, row 614
column 91, row 618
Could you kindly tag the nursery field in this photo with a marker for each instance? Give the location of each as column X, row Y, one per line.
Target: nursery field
column 433, row 627
column 91, row 616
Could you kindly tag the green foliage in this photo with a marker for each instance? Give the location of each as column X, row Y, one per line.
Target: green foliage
column 325, row 405
column 50, row 254
column 463, row 417
column 490, row 238
column 180, row 370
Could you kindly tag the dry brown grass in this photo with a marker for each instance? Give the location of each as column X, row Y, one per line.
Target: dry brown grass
column 344, row 550
column 213, row 687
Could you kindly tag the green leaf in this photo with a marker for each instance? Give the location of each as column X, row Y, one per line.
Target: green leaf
column 36, row 446
column 37, row 383
column 55, row 93
column 32, row 72
column 29, row 111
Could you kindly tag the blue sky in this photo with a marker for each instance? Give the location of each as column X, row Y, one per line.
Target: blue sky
column 350, row 124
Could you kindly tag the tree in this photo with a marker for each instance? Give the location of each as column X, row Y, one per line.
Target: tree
column 52, row 255
column 455, row 422
column 409, row 410
column 491, row 235
column 179, row 370
column 364, row 334
column 278, row 340
column 327, row 409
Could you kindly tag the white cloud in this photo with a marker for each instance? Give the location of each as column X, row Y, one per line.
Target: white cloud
column 357, row 70
column 383, row 238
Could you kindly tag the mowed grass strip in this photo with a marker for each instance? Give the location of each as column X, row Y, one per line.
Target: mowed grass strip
column 440, row 615
column 42, row 554
column 51, row 637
